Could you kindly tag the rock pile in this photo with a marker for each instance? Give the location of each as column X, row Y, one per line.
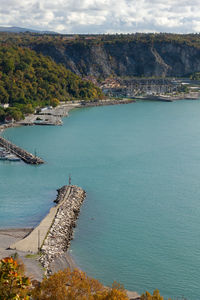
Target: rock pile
column 57, row 241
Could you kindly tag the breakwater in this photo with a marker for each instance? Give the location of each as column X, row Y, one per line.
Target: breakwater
column 21, row 153
column 60, row 234
column 106, row 102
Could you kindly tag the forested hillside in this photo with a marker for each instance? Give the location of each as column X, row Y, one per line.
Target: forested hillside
column 29, row 80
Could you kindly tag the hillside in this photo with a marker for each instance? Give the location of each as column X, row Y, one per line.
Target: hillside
column 101, row 56
column 29, row 80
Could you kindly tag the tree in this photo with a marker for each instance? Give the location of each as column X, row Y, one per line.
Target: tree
column 155, row 296
column 15, row 113
column 13, row 284
column 8, row 64
column 54, row 102
column 3, row 95
column 2, row 115
column 75, row 285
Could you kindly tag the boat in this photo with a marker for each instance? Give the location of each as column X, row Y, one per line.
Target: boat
column 3, row 158
column 12, row 157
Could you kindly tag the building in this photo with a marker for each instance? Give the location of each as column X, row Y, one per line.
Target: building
column 4, row 105
column 9, row 119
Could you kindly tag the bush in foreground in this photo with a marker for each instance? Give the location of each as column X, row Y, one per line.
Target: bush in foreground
column 75, row 285
column 13, row 284
column 63, row 285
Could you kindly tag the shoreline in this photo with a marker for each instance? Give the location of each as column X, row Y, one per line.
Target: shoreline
column 52, row 237
column 56, row 112
column 169, row 98
column 25, row 240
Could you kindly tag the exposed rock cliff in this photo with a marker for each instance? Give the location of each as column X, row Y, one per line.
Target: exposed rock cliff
column 125, row 58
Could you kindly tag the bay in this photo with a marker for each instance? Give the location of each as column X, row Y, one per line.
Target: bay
column 140, row 166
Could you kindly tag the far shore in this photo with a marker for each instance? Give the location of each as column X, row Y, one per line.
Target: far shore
column 61, row 111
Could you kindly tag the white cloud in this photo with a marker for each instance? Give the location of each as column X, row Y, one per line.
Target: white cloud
column 98, row 16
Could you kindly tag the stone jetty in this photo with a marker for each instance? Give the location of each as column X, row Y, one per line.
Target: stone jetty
column 106, row 102
column 22, row 154
column 60, row 234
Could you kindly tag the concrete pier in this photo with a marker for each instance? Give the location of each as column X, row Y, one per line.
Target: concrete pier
column 19, row 152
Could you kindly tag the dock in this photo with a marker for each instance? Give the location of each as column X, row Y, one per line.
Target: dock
column 21, row 153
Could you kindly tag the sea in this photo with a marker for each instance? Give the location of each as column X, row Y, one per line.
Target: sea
column 140, row 166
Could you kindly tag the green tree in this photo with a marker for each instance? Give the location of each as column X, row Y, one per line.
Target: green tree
column 8, row 64
column 4, row 97
column 54, row 102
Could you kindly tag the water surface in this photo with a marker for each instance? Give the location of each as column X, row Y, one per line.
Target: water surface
column 140, row 166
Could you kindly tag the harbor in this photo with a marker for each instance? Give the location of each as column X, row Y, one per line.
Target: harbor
column 49, row 116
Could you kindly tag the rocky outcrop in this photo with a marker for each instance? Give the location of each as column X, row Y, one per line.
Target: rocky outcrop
column 57, row 241
column 125, row 58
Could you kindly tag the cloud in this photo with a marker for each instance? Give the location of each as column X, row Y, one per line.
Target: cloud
column 101, row 16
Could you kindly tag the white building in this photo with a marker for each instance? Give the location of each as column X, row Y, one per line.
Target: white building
column 4, row 105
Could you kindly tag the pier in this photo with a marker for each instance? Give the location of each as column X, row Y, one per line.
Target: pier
column 19, row 152
column 53, row 235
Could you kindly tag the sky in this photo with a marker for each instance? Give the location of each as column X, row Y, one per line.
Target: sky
column 102, row 16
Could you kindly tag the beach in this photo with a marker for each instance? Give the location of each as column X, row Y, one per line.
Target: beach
column 33, row 268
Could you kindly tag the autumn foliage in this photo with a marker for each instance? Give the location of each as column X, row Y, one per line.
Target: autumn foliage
column 63, row 285
column 75, row 285
column 13, row 284
column 155, row 296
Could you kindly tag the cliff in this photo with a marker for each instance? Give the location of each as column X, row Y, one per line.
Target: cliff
column 101, row 56
column 164, row 59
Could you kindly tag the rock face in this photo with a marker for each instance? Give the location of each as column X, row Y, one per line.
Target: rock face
column 125, row 58
column 70, row 199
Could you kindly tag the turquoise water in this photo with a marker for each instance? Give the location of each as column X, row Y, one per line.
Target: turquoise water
column 140, row 166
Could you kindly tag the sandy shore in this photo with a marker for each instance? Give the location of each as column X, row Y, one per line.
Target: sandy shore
column 9, row 236
column 31, row 261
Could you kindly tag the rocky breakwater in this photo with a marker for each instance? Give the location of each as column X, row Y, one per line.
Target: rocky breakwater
column 60, row 234
column 21, row 153
column 106, row 102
